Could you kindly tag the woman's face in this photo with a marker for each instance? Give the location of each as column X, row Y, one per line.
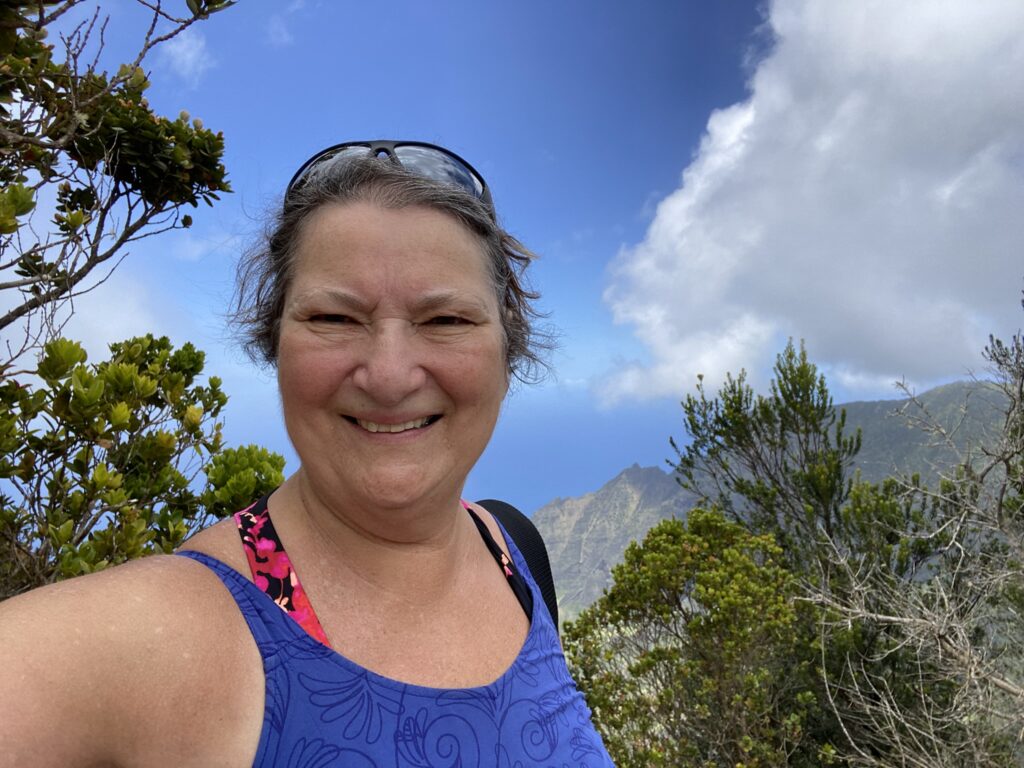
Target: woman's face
column 391, row 359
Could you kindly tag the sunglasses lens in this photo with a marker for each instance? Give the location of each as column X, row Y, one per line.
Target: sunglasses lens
column 430, row 162
column 322, row 163
column 438, row 166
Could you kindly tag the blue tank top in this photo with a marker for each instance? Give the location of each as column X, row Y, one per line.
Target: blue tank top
column 322, row 709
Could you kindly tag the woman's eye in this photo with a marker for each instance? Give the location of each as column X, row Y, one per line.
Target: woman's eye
column 447, row 320
column 330, row 318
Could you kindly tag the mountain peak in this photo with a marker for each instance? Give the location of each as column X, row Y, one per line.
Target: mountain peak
column 587, row 535
column 637, row 473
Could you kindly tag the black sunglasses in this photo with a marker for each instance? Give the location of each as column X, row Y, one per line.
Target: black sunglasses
column 427, row 160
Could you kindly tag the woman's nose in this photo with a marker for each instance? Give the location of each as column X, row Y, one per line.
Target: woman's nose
column 391, row 367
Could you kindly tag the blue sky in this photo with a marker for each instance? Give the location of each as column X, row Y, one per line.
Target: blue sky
column 702, row 180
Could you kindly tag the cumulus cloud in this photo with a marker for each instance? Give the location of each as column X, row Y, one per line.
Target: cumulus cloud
column 865, row 197
column 187, row 56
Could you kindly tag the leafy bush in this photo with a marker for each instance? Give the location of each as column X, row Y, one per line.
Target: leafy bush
column 99, row 463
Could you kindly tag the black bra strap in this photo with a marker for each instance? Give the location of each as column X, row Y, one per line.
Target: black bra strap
column 530, row 544
column 515, row 580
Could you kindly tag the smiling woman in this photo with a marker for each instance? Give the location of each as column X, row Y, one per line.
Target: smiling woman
column 390, row 302
column 390, row 320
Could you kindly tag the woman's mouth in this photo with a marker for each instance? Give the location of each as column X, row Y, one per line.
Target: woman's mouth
column 405, row 426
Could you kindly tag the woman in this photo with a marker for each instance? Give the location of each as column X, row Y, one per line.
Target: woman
column 388, row 298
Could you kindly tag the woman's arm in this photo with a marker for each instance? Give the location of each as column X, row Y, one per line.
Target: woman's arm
column 139, row 665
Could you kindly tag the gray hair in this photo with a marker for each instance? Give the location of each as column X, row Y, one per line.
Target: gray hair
column 265, row 270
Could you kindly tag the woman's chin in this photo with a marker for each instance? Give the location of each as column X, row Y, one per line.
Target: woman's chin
column 398, row 487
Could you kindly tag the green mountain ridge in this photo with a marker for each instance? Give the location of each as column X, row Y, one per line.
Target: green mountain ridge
column 587, row 535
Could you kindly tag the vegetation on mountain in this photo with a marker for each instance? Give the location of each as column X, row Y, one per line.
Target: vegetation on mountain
column 959, row 622
column 904, row 631
column 100, row 462
column 687, row 659
column 894, row 443
column 587, row 535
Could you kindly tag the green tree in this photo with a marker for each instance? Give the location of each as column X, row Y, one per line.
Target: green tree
column 687, row 659
column 900, row 644
column 100, row 462
column 911, row 586
column 88, row 139
column 780, row 463
column 104, row 462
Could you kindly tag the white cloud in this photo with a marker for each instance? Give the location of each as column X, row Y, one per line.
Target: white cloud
column 193, row 247
column 278, row 29
column 866, row 197
column 278, row 32
column 119, row 309
column 187, row 56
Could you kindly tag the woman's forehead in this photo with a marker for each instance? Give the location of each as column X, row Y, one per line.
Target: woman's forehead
column 364, row 218
column 361, row 239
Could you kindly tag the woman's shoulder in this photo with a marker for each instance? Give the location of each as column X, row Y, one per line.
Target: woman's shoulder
column 491, row 524
column 116, row 603
column 221, row 542
column 154, row 591
column 100, row 665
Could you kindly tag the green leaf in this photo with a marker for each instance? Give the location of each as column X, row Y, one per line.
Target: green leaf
column 120, row 415
column 193, row 417
column 60, row 356
column 20, row 198
column 62, row 534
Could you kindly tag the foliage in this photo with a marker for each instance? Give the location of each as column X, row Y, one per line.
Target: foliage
column 959, row 625
column 686, row 659
column 780, row 463
column 878, row 624
column 914, row 631
column 89, row 141
column 99, row 461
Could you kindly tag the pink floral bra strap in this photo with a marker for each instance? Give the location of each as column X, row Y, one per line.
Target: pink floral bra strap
column 271, row 569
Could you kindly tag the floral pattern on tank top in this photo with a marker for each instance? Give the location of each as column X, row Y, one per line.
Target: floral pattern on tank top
column 272, row 570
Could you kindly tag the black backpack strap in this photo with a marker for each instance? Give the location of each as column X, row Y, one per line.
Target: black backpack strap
column 529, row 542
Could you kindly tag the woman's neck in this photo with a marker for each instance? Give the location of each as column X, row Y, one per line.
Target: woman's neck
column 413, row 551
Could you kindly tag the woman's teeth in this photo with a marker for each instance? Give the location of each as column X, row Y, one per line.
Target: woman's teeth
column 372, row 426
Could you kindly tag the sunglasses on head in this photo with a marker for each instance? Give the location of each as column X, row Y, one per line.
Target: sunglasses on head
column 427, row 160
